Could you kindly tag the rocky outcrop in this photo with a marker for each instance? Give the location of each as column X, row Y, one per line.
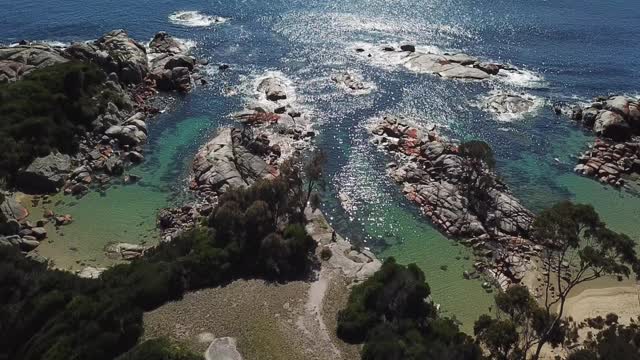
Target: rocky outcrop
column 352, row 83
column 18, row 61
column 45, row 174
column 119, row 131
column 274, row 129
column 509, row 105
column 116, row 53
column 225, row 162
column 462, row 199
column 616, row 151
column 171, row 66
column 615, row 117
column 447, row 65
column 609, row 161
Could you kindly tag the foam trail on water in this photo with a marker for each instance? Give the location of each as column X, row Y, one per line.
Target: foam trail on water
column 195, row 19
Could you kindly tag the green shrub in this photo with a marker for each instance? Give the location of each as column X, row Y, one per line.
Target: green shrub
column 390, row 313
column 51, row 108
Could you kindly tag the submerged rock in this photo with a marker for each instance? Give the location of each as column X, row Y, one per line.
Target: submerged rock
column 273, row 88
column 352, row 82
column 508, row 105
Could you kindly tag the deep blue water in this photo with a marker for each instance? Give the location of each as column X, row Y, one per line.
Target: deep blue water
column 577, row 49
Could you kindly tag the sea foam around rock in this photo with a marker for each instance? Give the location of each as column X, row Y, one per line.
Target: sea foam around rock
column 195, row 19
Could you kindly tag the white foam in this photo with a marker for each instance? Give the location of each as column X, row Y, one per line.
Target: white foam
column 52, row 43
column 521, row 78
column 509, row 115
column 195, row 19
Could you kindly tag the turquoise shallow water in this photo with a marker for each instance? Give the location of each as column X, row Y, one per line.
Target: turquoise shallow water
column 126, row 213
column 567, row 47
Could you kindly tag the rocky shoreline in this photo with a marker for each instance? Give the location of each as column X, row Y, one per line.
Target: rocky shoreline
column 135, row 75
column 434, row 175
column 447, row 65
column 615, row 154
column 274, row 128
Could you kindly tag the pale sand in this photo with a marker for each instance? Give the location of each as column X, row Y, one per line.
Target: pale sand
column 589, row 303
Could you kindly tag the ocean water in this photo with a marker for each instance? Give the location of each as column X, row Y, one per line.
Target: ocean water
column 569, row 50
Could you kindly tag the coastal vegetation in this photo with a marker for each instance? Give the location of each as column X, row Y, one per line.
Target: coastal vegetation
column 391, row 313
column 50, row 109
column 578, row 248
column 255, row 233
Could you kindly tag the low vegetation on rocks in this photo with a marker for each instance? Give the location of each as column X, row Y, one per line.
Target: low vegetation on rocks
column 50, row 109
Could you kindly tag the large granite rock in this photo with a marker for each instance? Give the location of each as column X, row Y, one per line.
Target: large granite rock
column 45, row 174
column 129, row 56
column 12, row 209
column 612, row 125
column 116, row 53
column 170, row 63
column 273, row 89
column 15, row 62
column 224, row 162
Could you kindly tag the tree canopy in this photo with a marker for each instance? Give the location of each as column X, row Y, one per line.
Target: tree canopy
column 391, row 313
column 47, row 314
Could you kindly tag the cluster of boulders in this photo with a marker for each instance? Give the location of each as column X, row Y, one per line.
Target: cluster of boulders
column 274, row 128
column 353, row 83
column 172, row 68
column 166, row 64
column 609, row 161
column 432, row 172
column 434, row 175
column 616, row 151
column 102, row 155
column 447, row 65
column 118, row 133
column 16, row 230
column 614, row 117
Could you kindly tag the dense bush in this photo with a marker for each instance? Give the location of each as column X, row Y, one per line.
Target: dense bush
column 49, row 109
column 392, row 315
column 254, row 232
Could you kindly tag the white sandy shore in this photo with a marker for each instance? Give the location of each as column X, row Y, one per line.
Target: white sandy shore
column 621, row 300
